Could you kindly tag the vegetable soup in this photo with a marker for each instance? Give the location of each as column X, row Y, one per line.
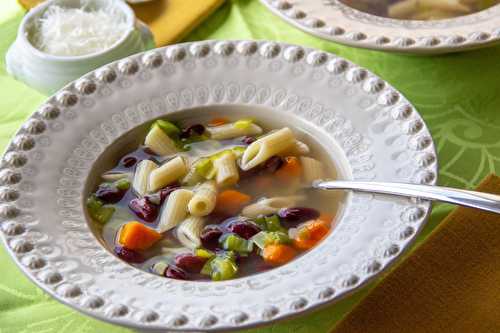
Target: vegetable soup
column 421, row 9
column 214, row 200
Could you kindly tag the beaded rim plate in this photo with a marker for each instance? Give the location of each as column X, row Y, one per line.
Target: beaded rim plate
column 337, row 22
column 45, row 169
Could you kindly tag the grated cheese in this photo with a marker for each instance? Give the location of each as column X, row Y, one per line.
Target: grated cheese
column 66, row 31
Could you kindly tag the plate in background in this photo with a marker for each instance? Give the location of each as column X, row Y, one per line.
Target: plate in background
column 337, row 22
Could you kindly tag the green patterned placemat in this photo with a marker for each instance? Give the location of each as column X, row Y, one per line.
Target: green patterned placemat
column 458, row 95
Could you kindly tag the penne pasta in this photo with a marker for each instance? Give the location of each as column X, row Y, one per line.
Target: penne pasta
column 297, row 149
column 174, row 210
column 262, row 149
column 271, row 205
column 192, row 178
column 312, row 169
column 189, row 231
column 113, row 176
column 232, row 130
column 159, row 142
column 141, row 177
column 204, row 199
column 226, row 170
column 168, row 173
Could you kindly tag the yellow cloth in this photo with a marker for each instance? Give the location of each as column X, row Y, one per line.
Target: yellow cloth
column 171, row 20
column 450, row 283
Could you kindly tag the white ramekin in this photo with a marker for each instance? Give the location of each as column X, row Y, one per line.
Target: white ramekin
column 48, row 73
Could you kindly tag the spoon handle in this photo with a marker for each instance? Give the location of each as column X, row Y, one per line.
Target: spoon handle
column 484, row 201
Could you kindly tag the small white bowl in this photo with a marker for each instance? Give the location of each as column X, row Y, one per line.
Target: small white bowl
column 48, row 73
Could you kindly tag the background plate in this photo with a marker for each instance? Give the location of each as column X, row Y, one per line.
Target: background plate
column 332, row 20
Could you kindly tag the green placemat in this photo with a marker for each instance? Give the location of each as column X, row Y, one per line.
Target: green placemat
column 458, row 95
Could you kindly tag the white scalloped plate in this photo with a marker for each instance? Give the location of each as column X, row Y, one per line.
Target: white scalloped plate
column 337, row 22
column 376, row 133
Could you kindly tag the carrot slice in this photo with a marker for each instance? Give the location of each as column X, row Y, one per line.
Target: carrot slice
column 218, row 122
column 290, row 170
column 136, row 236
column 230, row 202
column 278, row 254
column 311, row 234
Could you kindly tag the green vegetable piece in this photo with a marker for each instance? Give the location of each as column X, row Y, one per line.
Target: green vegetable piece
column 261, row 222
column 238, row 151
column 170, row 129
column 243, row 123
column 93, row 204
column 205, row 168
column 103, row 214
column 273, row 223
column 204, row 253
column 236, row 243
column 265, row 238
column 223, row 269
column 122, row 184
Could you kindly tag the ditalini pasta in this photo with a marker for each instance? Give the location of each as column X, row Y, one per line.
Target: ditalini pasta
column 169, row 172
column 204, row 199
column 159, row 142
column 226, row 170
column 141, row 177
column 262, row 149
column 216, row 209
column 175, row 209
column 189, row 231
column 233, row 130
column 271, row 205
column 312, row 169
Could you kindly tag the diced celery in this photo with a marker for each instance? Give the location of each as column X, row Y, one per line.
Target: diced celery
column 205, row 168
column 122, row 184
column 204, row 253
column 93, row 204
column 243, row 123
column 261, row 222
column 238, row 151
column 103, row 214
column 236, row 243
column 223, row 269
column 170, row 129
column 264, row 238
column 273, row 223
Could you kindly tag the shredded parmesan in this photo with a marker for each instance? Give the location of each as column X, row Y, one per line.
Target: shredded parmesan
column 66, row 31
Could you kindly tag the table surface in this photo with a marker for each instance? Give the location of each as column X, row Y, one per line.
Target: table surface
column 458, row 96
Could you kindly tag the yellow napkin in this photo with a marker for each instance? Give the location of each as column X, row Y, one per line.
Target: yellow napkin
column 450, row 283
column 171, row 20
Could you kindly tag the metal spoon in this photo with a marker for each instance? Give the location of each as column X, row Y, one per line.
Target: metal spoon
column 484, row 201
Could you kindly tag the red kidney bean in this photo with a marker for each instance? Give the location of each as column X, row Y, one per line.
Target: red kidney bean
column 242, row 228
column 109, row 193
column 128, row 161
column 149, row 151
column 248, row 140
column 210, row 237
column 190, row 262
column 144, row 209
column 273, row 164
column 297, row 215
column 175, row 272
column 197, row 129
column 165, row 192
column 129, row 255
